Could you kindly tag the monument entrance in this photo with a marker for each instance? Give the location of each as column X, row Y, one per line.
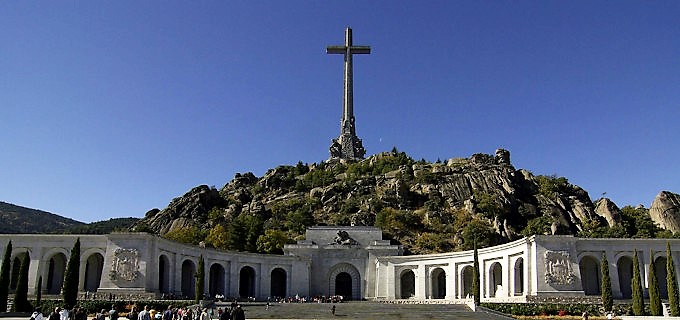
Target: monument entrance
column 343, row 285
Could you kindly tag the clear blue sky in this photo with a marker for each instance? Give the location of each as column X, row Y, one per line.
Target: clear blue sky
column 111, row 108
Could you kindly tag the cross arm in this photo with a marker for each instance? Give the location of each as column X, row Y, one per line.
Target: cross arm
column 360, row 49
column 336, row 49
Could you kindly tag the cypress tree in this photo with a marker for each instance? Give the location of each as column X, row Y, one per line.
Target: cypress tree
column 200, row 283
column 69, row 290
column 607, row 299
column 475, row 275
column 654, row 295
column 38, row 292
column 21, row 303
column 672, row 283
column 638, row 300
column 4, row 277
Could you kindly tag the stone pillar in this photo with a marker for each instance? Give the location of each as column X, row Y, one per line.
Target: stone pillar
column 505, row 277
column 177, row 276
column 451, row 277
column 421, row 278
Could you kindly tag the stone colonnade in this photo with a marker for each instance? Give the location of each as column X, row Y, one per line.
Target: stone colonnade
column 132, row 265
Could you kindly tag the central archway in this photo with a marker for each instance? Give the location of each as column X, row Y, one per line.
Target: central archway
column 188, row 279
column 56, row 268
column 408, row 284
column 590, row 275
column 217, row 280
column 278, row 283
column 93, row 272
column 345, row 280
column 438, row 283
column 246, row 283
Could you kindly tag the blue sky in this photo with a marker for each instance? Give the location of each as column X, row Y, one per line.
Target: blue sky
column 112, row 108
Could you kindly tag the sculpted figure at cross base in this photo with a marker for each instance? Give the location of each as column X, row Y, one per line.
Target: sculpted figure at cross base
column 343, row 238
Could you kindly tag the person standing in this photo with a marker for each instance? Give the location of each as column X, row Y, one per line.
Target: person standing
column 238, row 314
column 167, row 314
column 133, row 314
column 204, row 314
column 55, row 315
column 63, row 314
column 113, row 313
column 144, row 314
column 37, row 315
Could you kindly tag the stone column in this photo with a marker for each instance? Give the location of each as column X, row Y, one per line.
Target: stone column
column 451, row 277
column 420, row 282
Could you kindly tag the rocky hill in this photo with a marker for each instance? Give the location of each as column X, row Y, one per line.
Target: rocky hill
column 427, row 207
column 18, row 219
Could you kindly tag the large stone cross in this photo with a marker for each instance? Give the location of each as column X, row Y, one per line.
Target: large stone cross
column 348, row 145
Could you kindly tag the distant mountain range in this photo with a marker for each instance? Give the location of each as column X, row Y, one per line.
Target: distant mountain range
column 18, row 219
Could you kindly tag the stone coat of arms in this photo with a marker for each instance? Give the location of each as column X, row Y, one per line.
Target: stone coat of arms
column 125, row 265
column 558, row 268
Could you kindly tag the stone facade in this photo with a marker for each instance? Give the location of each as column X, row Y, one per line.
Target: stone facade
column 354, row 262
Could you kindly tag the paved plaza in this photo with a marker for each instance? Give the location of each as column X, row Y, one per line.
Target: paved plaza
column 364, row 311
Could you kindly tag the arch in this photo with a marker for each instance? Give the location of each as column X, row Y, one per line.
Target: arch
column 56, row 267
column 496, row 279
column 279, row 279
column 518, row 273
column 340, row 284
column 590, row 275
column 188, row 280
column 660, row 269
column 16, row 265
column 246, row 283
column 163, row 274
column 216, row 280
column 94, row 264
column 407, row 284
column 438, row 283
column 625, row 269
column 466, row 275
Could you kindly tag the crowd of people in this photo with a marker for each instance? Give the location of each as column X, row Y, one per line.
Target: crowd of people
column 233, row 312
column 301, row 299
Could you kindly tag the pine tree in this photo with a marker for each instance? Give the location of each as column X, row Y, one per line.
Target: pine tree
column 672, row 283
column 475, row 276
column 607, row 299
column 654, row 295
column 21, row 303
column 69, row 290
column 200, row 282
column 638, row 300
column 4, row 277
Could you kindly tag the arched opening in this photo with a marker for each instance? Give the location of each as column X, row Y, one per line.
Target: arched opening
column 519, row 276
column 345, row 280
column 590, row 275
column 93, row 272
column 438, row 284
column 246, row 284
column 343, row 284
column 216, row 282
column 660, row 269
column 278, row 283
column 56, row 268
column 16, row 265
column 188, row 279
column 408, row 284
column 467, row 275
column 496, row 280
column 625, row 269
column 163, row 274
